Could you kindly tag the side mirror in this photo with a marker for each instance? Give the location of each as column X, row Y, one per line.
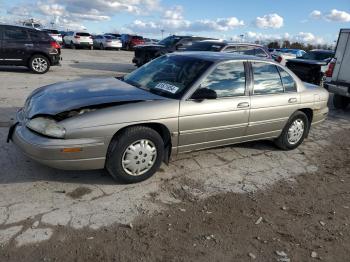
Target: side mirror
column 204, row 93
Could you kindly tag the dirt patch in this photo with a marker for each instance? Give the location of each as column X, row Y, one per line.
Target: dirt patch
column 307, row 219
column 79, row 192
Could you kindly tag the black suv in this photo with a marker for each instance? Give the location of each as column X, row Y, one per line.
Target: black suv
column 146, row 53
column 22, row 46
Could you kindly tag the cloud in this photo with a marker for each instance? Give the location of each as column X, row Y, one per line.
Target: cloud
column 308, row 38
column 73, row 13
column 173, row 21
column 316, row 14
column 338, row 16
column 332, row 16
column 19, row 11
column 269, row 21
column 303, row 37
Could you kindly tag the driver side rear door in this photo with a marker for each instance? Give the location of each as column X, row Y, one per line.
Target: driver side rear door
column 215, row 122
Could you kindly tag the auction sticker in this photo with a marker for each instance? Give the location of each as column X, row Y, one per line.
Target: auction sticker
column 167, row 87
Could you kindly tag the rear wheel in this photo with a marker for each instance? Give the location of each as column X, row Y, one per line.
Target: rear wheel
column 135, row 154
column 39, row 64
column 340, row 102
column 294, row 133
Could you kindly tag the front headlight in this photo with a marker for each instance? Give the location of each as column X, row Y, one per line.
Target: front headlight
column 47, row 127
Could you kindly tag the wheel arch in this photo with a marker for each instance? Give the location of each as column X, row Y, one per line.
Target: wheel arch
column 39, row 53
column 309, row 114
column 160, row 128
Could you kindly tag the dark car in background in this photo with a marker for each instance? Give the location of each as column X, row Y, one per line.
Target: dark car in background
column 230, row 47
column 311, row 66
column 146, row 53
column 130, row 41
column 23, row 46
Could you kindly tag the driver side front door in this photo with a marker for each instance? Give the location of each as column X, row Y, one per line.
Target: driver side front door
column 221, row 121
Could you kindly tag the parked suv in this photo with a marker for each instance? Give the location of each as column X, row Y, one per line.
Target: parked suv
column 78, row 39
column 22, row 46
column 130, row 41
column 145, row 53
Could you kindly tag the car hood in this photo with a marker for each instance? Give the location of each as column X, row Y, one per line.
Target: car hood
column 150, row 46
column 67, row 96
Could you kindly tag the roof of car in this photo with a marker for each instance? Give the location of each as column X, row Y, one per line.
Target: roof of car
column 22, row 26
column 322, row 51
column 224, row 42
column 218, row 56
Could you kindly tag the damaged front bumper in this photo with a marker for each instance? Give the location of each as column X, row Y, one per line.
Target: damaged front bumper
column 55, row 152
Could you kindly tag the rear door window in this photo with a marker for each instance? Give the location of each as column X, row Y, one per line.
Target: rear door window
column 288, row 82
column 267, row 79
column 14, row 34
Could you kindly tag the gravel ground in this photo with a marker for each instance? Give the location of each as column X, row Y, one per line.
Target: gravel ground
column 243, row 202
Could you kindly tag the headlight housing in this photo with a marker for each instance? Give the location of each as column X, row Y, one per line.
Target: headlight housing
column 47, row 127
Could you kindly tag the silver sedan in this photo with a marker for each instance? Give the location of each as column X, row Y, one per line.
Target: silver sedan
column 177, row 103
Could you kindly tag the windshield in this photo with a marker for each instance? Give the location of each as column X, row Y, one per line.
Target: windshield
column 168, row 76
column 169, row 41
column 314, row 55
column 205, row 46
column 110, row 37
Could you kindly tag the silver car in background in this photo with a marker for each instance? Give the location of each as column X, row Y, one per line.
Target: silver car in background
column 177, row 103
column 107, row 42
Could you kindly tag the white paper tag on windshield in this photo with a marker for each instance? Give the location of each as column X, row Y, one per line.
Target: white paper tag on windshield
column 167, row 87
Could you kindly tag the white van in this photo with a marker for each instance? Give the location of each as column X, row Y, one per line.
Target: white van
column 337, row 77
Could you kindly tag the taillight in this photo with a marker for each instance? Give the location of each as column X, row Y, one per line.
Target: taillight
column 330, row 69
column 55, row 45
column 76, row 36
column 279, row 59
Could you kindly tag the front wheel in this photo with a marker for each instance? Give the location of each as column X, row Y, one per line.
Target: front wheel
column 135, row 154
column 295, row 131
column 39, row 64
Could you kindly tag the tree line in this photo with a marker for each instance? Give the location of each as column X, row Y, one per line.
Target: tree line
column 298, row 45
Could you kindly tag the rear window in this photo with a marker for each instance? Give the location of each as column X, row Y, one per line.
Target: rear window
column 137, row 37
column 203, row 46
column 83, row 34
column 110, row 37
column 51, row 31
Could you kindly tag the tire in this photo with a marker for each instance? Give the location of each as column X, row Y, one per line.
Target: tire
column 297, row 121
column 340, row 102
column 122, row 144
column 39, row 64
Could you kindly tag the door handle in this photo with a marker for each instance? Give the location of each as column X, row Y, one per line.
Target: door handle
column 243, row 105
column 292, row 100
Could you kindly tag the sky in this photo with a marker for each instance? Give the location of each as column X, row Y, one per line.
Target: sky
column 308, row 21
